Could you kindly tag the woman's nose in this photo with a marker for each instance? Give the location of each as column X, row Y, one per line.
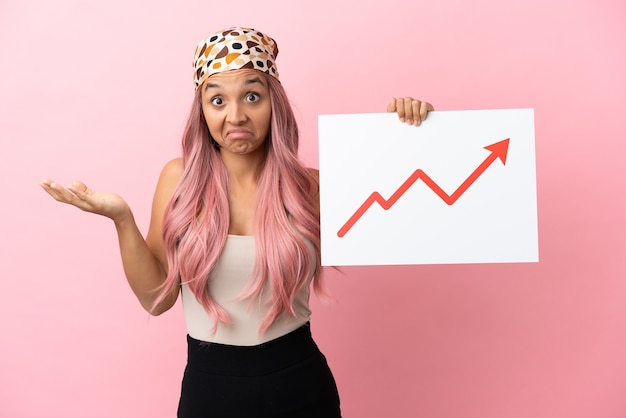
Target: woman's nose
column 236, row 113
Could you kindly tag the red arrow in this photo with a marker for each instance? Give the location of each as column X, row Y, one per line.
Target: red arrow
column 498, row 150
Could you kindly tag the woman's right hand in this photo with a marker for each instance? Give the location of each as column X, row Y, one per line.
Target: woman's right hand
column 79, row 195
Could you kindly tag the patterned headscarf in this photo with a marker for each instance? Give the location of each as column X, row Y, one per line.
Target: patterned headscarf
column 234, row 49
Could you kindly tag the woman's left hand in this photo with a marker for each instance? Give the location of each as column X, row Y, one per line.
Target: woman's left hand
column 411, row 111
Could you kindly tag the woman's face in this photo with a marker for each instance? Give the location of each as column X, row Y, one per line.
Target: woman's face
column 237, row 108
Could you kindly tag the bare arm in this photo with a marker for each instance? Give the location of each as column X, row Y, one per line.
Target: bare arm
column 144, row 261
column 170, row 176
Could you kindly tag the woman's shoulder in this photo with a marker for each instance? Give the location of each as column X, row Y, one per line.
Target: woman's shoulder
column 170, row 176
column 172, row 171
column 173, row 167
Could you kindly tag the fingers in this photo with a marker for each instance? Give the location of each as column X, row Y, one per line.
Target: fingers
column 58, row 192
column 405, row 110
column 79, row 195
column 80, row 190
column 74, row 194
column 424, row 108
column 411, row 111
column 77, row 187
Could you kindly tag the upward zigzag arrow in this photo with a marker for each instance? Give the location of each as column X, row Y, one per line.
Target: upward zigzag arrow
column 498, row 150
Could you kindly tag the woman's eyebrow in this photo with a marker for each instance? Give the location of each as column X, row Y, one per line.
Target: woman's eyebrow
column 254, row 80
column 211, row 85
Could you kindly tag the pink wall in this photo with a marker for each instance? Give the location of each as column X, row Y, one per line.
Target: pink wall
column 99, row 90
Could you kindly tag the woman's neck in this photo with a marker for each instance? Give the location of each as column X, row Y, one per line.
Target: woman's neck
column 244, row 169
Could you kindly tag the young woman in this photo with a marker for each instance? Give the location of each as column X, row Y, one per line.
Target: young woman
column 235, row 231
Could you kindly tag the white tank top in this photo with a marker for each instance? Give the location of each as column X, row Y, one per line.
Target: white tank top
column 231, row 275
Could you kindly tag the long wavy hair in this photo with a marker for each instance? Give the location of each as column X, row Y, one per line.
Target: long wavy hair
column 197, row 218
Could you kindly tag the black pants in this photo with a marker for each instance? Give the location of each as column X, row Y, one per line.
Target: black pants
column 286, row 377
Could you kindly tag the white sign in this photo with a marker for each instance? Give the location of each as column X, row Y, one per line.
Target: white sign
column 460, row 188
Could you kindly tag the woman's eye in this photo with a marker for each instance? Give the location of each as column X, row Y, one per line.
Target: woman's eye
column 253, row 97
column 217, row 101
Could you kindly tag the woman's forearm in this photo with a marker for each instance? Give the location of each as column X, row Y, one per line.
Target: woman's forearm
column 143, row 270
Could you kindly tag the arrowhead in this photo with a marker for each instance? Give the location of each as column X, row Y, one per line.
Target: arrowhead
column 499, row 149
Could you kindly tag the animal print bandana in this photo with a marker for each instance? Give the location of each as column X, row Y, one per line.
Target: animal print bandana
column 234, row 49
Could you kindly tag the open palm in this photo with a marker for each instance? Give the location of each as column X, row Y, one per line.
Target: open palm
column 79, row 195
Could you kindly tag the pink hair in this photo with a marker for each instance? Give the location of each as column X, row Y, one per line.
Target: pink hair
column 196, row 223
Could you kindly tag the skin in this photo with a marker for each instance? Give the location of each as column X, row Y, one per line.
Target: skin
column 409, row 110
column 237, row 108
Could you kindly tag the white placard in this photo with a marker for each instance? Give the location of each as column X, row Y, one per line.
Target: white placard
column 460, row 188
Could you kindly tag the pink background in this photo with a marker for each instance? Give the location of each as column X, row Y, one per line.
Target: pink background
column 99, row 90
